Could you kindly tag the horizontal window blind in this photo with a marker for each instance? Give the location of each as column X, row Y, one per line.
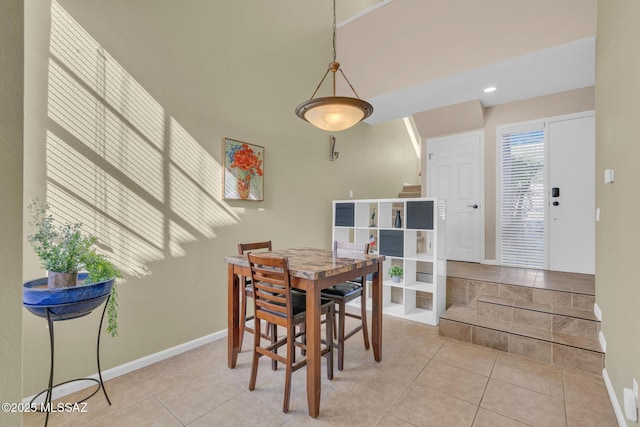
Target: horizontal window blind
column 522, row 199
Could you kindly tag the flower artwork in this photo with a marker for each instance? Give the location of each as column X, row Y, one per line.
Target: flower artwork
column 243, row 170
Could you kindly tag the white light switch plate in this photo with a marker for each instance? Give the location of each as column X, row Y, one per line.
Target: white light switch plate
column 608, row 176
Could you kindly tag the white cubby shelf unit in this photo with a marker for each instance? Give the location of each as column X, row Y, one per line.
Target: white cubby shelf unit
column 416, row 243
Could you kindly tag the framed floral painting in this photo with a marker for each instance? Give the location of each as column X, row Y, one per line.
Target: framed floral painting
column 243, row 171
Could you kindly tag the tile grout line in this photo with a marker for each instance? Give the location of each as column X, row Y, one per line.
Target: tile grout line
column 407, row 388
column 564, row 398
column 169, row 410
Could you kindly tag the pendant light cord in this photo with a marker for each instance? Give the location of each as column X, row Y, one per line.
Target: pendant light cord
column 334, row 60
column 334, row 30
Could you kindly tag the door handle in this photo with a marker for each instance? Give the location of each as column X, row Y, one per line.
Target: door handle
column 473, row 206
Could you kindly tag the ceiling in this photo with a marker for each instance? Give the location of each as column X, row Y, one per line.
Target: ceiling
column 409, row 56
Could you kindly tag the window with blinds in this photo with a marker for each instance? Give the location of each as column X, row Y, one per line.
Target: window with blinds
column 522, row 196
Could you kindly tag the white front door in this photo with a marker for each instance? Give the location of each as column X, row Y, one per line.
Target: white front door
column 571, row 216
column 454, row 174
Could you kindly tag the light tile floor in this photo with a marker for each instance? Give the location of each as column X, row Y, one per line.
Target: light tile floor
column 423, row 380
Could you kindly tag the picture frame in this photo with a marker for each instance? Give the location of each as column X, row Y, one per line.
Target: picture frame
column 243, row 170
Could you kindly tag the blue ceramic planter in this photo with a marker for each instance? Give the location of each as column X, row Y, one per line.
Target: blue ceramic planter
column 64, row 303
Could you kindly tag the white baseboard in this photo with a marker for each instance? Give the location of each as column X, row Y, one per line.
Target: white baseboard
column 614, row 399
column 117, row 371
column 598, row 313
column 489, row 262
column 603, row 342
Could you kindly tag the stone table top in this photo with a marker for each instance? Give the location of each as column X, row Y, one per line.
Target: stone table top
column 315, row 264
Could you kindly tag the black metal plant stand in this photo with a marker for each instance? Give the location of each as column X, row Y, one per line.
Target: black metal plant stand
column 51, row 318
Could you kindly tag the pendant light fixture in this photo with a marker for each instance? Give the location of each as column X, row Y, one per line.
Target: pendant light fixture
column 334, row 113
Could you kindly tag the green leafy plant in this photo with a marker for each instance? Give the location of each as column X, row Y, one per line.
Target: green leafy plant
column 65, row 249
column 396, row 270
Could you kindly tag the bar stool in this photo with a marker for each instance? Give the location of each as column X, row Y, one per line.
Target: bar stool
column 342, row 293
column 276, row 303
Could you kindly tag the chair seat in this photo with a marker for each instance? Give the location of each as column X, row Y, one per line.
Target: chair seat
column 342, row 289
column 299, row 300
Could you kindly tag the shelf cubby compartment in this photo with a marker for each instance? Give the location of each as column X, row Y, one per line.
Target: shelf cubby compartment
column 363, row 212
column 374, row 246
column 363, row 235
column 420, row 214
column 343, row 234
column 387, row 213
column 417, row 301
column 391, row 243
column 344, row 214
column 418, row 245
column 424, row 300
column 386, row 277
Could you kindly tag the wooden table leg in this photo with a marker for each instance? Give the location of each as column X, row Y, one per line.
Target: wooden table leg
column 233, row 317
column 313, row 350
column 376, row 313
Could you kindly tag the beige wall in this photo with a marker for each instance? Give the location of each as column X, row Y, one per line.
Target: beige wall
column 617, row 147
column 11, row 128
column 204, row 70
column 457, row 118
column 531, row 109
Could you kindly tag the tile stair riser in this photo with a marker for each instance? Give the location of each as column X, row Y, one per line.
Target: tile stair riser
column 467, row 292
column 576, row 327
column 547, row 321
column 558, row 354
column 415, row 188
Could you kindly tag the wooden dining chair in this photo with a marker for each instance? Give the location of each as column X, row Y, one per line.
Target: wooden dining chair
column 247, row 290
column 276, row 303
column 342, row 293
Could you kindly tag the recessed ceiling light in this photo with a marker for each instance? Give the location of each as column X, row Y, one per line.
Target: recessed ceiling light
column 490, row 89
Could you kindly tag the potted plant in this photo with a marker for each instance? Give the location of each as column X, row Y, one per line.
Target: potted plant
column 76, row 271
column 396, row 272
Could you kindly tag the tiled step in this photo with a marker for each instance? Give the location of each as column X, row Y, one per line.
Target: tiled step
column 521, row 286
column 558, row 319
column 409, row 194
column 463, row 323
column 412, row 188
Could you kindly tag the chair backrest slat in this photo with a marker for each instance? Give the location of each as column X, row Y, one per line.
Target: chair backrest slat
column 244, row 247
column 271, row 286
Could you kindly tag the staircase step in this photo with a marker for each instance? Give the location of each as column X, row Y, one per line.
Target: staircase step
column 412, row 188
column 409, row 194
column 466, row 291
column 558, row 319
column 463, row 323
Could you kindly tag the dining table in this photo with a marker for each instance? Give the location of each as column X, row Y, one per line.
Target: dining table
column 311, row 270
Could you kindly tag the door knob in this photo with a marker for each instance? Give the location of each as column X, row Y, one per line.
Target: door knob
column 473, row 206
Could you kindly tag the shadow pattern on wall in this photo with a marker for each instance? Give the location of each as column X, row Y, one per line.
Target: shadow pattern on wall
column 118, row 162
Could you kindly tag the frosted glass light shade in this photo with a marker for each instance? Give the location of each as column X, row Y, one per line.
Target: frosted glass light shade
column 334, row 113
